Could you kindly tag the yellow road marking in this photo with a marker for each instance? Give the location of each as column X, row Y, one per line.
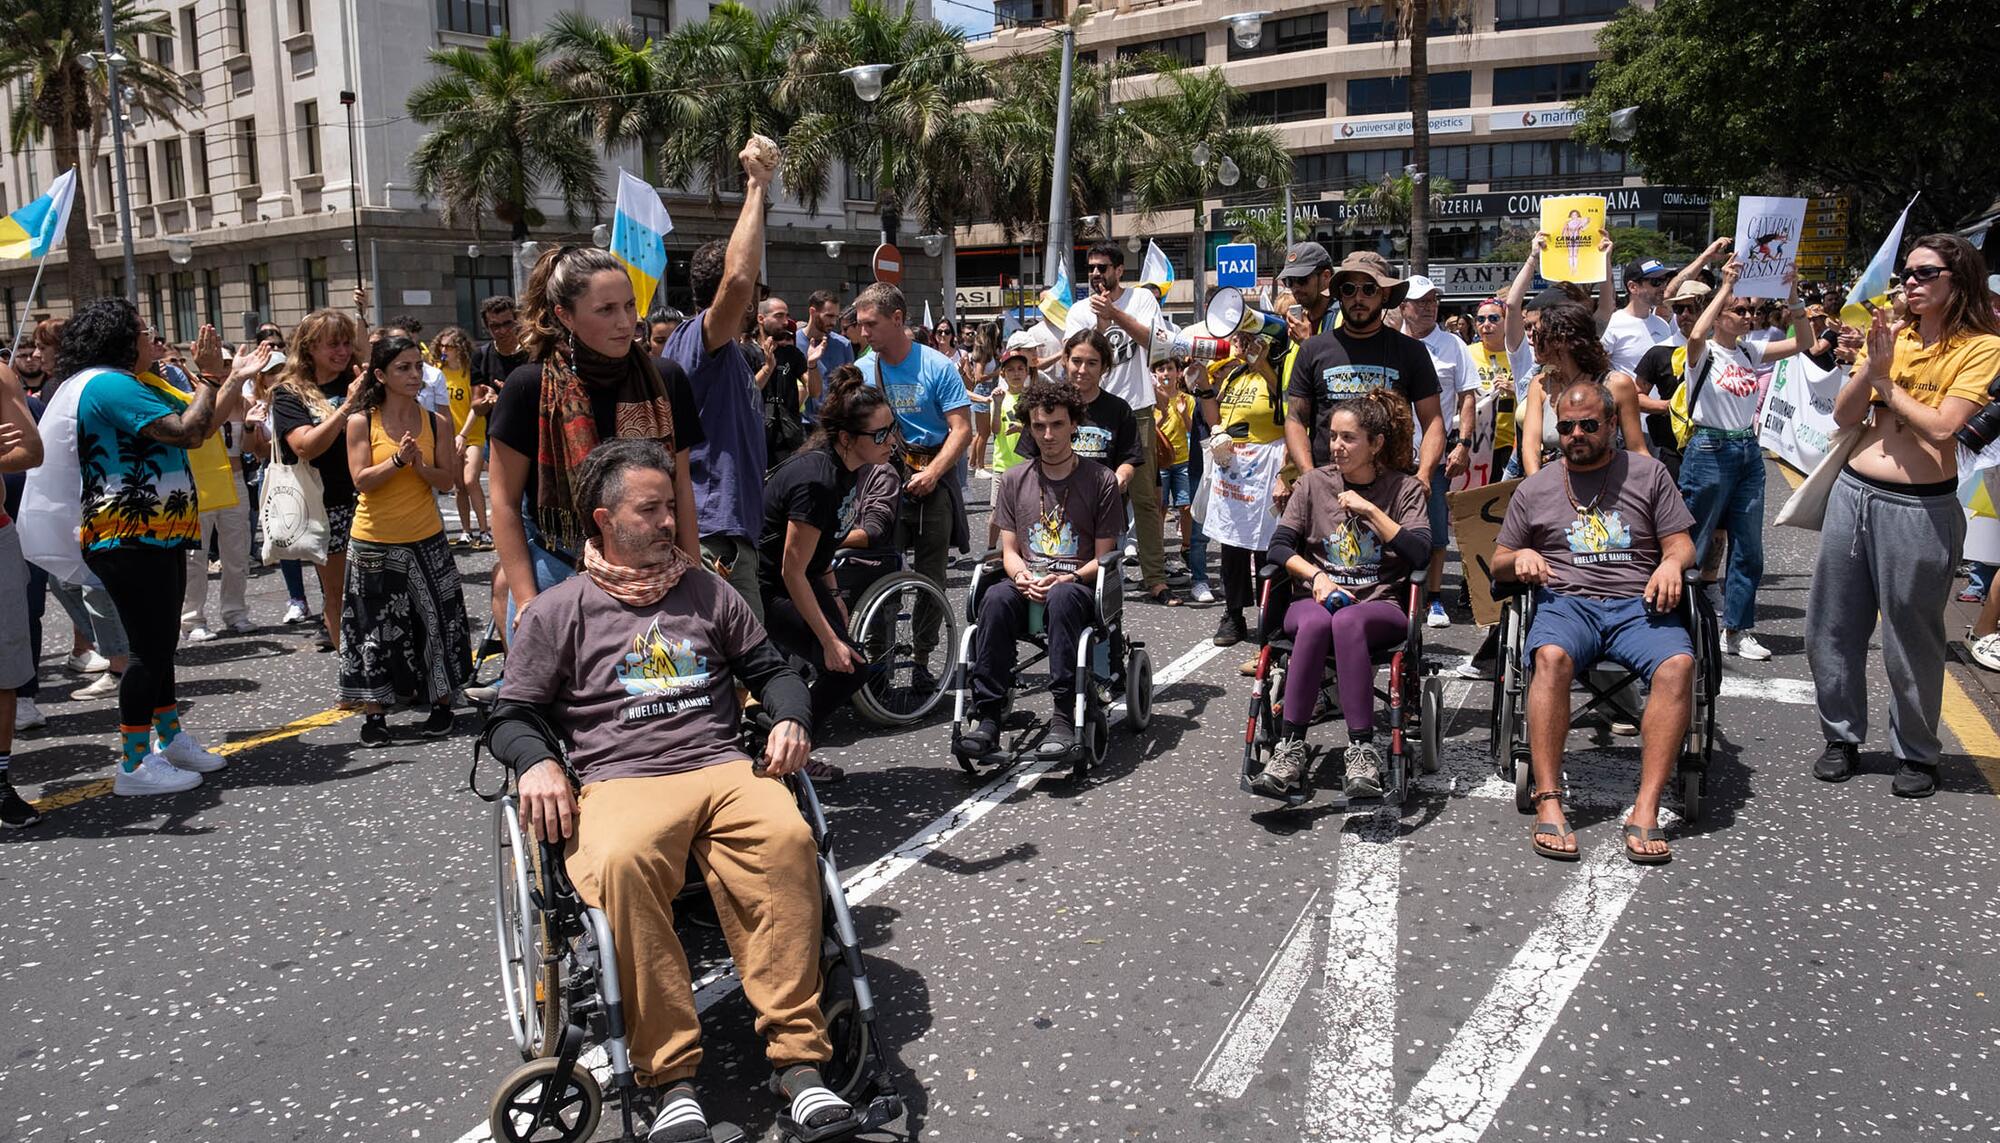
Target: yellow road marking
column 293, row 729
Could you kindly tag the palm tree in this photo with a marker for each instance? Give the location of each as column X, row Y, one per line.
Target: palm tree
column 616, row 74
column 56, row 48
column 501, row 134
column 1264, row 229
column 1394, row 202
column 1192, row 112
column 719, row 81
column 1412, row 18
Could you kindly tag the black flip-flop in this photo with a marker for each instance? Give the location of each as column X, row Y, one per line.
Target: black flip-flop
column 1550, row 829
column 1165, row 597
column 1645, row 833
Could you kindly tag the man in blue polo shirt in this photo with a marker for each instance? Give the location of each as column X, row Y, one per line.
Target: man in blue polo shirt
column 934, row 416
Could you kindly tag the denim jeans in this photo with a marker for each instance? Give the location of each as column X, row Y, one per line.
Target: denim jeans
column 1723, row 482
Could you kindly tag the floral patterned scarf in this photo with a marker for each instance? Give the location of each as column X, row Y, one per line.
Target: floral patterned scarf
column 567, row 428
column 634, row 587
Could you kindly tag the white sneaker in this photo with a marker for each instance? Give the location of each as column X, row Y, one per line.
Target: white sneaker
column 1744, row 645
column 1473, row 668
column 1202, row 593
column 155, row 775
column 1437, row 619
column 239, row 627
column 88, row 663
column 99, row 687
column 295, row 613
column 1131, row 552
column 201, row 635
column 28, row 716
column 186, row 754
column 1985, row 652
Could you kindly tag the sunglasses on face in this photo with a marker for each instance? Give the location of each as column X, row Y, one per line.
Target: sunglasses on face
column 1922, row 273
column 1586, row 426
column 1744, row 311
column 1488, row 319
column 882, row 435
column 1661, row 281
column 1684, row 308
column 1365, row 289
column 1100, row 267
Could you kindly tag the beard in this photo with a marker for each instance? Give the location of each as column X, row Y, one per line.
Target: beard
column 1585, row 451
column 642, row 547
column 1361, row 312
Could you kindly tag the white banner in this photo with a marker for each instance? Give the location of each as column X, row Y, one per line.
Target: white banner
column 1767, row 240
column 1479, row 468
column 1796, row 423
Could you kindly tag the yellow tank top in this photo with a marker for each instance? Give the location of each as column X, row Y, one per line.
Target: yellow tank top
column 458, row 389
column 404, row 509
column 1245, row 399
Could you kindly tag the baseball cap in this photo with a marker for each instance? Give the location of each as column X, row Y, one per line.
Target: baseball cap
column 1303, row 259
column 1639, row 268
column 1020, row 343
column 1420, row 287
column 1550, row 296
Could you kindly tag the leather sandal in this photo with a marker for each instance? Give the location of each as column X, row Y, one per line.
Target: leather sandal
column 1645, row 834
column 1550, row 829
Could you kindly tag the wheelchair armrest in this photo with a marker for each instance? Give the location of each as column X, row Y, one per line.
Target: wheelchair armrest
column 982, row 578
column 1269, row 572
column 1509, row 589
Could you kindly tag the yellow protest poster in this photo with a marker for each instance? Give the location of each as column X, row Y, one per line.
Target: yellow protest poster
column 1573, row 224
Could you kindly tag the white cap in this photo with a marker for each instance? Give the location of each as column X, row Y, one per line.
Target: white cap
column 1020, row 343
column 1420, row 287
column 276, row 362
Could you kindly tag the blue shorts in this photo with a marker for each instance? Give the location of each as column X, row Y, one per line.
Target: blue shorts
column 1440, row 510
column 1175, row 486
column 1621, row 630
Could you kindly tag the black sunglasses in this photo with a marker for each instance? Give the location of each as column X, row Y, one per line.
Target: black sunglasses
column 1922, row 273
column 1488, row 319
column 1100, row 267
column 1365, row 289
column 1685, row 307
column 1660, row 281
column 882, row 435
column 1587, row 425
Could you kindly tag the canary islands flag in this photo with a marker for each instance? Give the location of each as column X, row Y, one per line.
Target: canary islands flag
column 1156, row 271
column 639, row 232
column 1057, row 299
column 32, row 230
column 1873, row 288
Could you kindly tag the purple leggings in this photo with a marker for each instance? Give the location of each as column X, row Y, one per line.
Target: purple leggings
column 1343, row 638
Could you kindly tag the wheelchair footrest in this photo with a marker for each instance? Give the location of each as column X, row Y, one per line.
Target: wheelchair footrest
column 1297, row 796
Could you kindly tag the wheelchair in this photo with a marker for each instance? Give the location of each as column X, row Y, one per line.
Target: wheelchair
column 1412, row 699
column 883, row 600
column 1606, row 685
column 1109, row 664
column 559, row 983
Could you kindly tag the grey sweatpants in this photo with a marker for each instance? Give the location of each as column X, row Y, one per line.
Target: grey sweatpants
column 1893, row 554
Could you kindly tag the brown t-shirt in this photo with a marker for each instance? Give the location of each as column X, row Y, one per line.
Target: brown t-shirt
column 644, row 691
column 1601, row 532
column 1341, row 543
column 1059, row 521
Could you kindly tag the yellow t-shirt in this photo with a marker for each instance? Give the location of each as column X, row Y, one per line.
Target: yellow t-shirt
column 404, row 509
column 1960, row 366
column 1006, row 432
column 458, row 390
column 214, row 480
column 1492, row 366
column 1245, row 399
column 1174, row 420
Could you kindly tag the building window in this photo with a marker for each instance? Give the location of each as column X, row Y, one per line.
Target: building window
column 172, row 169
column 308, row 127
column 106, row 192
column 1521, row 161
column 475, row 280
column 1319, row 170
column 860, row 184
column 7, row 299
column 1286, row 104
column 163, row 51
column 246, row 153
column 302, row 15
column 649, row 17
column 316, row 284
column 190, row 40
column 1386, row 94
column 1190, row 50
column 198, row 156
column 1364, row 25
column 1371, row 166
column 260, row 289
column 238, row 12
column 475, row 17
column 1510, row 14
column 1013, row 12
column 155, row 305
column 186, row 325
column 1574, row 158
column 1543, row 83
column 211, row 297
column 141, row 176
column 1292, row 34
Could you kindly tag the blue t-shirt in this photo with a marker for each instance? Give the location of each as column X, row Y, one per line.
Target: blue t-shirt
column 727, row 468
column 838, row 352
column 136, row 490
column 922, row 388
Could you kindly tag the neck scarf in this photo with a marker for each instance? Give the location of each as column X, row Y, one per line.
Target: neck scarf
column 567, row 428
column 634, row 587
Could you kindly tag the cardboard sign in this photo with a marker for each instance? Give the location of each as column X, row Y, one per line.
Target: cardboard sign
column 1476, row 515
column 1573, row 224
column 1768, row 234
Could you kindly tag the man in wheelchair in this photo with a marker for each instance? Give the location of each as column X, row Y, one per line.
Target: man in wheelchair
column 1601, row 537
column 1058, row 517
column 635, row 665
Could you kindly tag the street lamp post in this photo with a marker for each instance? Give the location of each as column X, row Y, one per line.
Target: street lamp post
column 347, row 99
column 1059, row 243
column 111, row 61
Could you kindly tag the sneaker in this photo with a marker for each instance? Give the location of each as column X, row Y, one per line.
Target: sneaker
column 239, row 627
column 375, row 731
column 1970, row 596
column 462, row 540
column 14, row 812
column 28, row 716
column 483, row 542
column 154, row 775
column 1229, row 630
column 104, row 684
column 1623, row 728
column 1914, row 781
column 1364, row 771
column 1986, row 651
column 825, row 772
column 1437, row 618
column 1201, row 592
column 1837, row 764
column 201, row 635
column 1061, row 737
column 296, row 613
column 88, row 663
column 439, row 723
column 483, row 696
column 1475, row 668
column 1744, row 645
column 922, row 681
column 1287, row 765
column 186, row 754
column 1131, row 552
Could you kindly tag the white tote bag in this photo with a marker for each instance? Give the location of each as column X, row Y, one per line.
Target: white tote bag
column 293, row 511
column 1807, row 506
column 52, row 502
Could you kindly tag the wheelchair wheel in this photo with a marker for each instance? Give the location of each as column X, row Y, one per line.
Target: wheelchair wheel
column 883, row 624
column 1096, row 735
column 530, row 983
column 574, row 1103
column 1430, row 727
column 1524, row 783
column 1138, row 689
column 847, row 1073
column 1692, row 782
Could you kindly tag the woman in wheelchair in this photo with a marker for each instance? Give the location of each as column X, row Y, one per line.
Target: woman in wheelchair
column 1352, row 533
column 803, row 501
column 635, row 663
column 1059, row 517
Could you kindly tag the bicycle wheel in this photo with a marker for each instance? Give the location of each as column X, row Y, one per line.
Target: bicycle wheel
column 902, row 687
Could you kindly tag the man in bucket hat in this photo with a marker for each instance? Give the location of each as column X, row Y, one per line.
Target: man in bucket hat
column 1360, row 356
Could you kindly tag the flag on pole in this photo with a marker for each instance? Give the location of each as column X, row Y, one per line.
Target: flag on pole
column 1873, row 287
column 33, row 230
column 1156, row 271
column 639, row 230
column 928, row 323
column 1057, row 299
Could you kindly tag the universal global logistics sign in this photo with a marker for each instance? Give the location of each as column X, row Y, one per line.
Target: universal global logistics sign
column 1401, row 125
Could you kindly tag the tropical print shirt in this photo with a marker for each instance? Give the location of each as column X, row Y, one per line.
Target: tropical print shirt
column 136, row 490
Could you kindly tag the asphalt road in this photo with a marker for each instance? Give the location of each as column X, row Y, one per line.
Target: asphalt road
column 301, row 948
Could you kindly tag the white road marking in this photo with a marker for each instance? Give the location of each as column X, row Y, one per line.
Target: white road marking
column 1795, row 692
column 1239, row 1054
column 1457, row 1099
column 721, row 983
column 1352, row 1093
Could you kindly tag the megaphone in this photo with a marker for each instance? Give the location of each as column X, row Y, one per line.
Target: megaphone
column 1170, row 342
column 1230, row 313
